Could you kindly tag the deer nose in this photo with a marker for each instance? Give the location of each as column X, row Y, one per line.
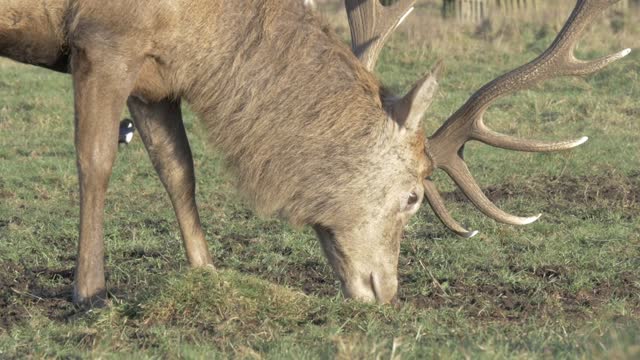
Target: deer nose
column 370, row 287
column 384, row 287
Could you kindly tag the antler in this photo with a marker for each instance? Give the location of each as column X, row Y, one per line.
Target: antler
column 445, row 147
column 371, row 23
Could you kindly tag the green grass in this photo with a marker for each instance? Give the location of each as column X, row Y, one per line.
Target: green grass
column 567, row 286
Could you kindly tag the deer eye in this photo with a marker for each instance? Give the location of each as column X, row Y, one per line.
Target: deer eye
column 412, row 202
column 413, row 198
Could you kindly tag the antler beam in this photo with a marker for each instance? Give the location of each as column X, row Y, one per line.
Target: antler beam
column 446, row 146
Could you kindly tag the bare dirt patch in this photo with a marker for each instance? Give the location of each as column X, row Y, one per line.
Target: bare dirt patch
column 517, row 301
column 311, row 279
column 21, row 289
column 615, row 191
column 6, row 194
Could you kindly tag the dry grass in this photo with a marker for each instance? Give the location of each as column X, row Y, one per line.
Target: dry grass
column 427, row 31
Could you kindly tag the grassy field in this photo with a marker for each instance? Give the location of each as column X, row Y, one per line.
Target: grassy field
column 567, row 286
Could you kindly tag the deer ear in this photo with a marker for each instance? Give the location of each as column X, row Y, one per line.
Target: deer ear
column 408, row 111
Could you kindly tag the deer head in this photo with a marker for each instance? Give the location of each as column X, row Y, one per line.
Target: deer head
column 371, row 274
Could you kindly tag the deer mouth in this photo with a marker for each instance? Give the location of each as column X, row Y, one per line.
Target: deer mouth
column 372, row 287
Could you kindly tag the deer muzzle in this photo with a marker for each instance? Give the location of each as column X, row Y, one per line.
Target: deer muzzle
column 372, row 287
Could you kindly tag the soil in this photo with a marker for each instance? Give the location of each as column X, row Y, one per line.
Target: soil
column 513, row 302
column 613, row 191
column 48, row 289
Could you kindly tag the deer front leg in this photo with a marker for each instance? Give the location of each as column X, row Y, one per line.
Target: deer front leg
column 101, row 86
column 162, row 131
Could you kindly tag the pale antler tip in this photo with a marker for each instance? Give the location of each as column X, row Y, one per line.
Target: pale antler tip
column 531, row 219
column 581, row 141
column 405, row 16
column 625, row 52
column 470, row 234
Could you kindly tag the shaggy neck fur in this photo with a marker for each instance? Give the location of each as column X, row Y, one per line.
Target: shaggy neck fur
column 287, row 103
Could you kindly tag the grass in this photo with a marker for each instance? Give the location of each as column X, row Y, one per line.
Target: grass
column 567, row 286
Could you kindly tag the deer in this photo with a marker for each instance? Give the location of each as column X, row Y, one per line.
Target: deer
column 310, row 133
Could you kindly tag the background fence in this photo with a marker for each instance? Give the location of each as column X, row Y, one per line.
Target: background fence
column 478, row 10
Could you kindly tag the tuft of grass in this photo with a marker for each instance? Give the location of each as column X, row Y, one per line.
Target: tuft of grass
column 234, row 305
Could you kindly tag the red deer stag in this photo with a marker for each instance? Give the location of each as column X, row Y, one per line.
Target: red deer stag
column 310, row 132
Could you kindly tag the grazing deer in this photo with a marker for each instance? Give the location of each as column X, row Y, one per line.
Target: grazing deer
column 310, row 132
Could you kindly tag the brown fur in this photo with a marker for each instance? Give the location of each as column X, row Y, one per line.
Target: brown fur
column 298, row 118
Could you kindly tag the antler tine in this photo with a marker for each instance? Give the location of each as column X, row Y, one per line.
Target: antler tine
column 496, row 139
column 371, row 23
column 446, row 145
column 437, row 204
column 460, row 173
column 557, row 60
